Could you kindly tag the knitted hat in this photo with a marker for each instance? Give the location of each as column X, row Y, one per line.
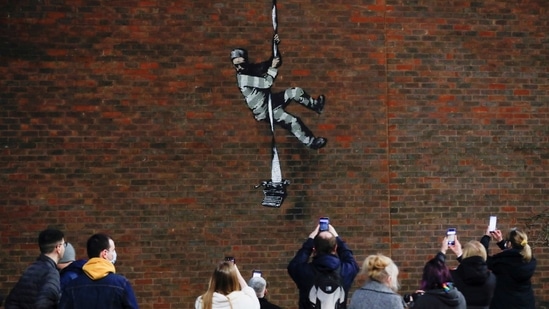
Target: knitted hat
column 69, row 255
column 258, row 284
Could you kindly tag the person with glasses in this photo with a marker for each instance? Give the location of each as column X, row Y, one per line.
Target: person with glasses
column 99, row 286
column 39, row 285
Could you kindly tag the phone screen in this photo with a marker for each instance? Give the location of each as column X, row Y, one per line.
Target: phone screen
column 451, row 233
column 324, row 223
column 493, row 222
column 256, row 273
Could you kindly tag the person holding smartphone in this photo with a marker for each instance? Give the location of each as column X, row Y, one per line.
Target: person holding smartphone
column 227, row 289
column 513, row 267
column 330, row 257
column 472, row 277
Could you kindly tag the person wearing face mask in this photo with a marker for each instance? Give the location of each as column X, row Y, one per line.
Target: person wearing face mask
column 99, row 286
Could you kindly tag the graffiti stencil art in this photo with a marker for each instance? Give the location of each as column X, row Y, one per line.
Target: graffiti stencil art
column 255, row 81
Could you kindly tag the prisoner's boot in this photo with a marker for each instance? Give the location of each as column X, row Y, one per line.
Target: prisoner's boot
column 319, row 106
column 318, row 142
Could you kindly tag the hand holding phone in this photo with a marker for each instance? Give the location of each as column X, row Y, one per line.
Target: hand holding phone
column 451, row 234
column 324, row 224
column 492, row 225
column 256, row 273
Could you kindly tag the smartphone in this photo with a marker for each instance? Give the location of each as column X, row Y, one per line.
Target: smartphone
column 256, row 273
column 492, row 225
column 451, row 233
column 230, row 259
column 324, row 223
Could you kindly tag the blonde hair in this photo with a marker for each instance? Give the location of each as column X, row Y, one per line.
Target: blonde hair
column 224, row 280
column 381, row 268
column 519, row 241
column 474, row 248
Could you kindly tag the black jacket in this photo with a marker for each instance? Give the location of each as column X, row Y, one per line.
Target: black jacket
column 440, row 299
column 475, row 282
column 265, row 304
column 38, row 287
column 513, row 276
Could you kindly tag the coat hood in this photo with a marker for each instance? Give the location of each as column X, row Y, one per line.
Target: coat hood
column 473, row 271
column 326, row 262
column 517, row 269
column 98, row 268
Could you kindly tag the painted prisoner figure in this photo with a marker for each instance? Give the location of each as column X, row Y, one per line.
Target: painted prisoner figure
column 255, row 81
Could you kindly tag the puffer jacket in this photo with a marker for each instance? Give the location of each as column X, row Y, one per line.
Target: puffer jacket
column 38, row 287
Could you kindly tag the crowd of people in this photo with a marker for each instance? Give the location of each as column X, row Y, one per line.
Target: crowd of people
column 480, row 281
column 58, row 280
column 323, row 270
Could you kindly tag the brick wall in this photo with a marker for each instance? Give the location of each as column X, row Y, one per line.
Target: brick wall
column 124, row 117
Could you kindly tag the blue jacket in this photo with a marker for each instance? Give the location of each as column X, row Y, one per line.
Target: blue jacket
column 38, row 287
column 98, row 286
column 70, row 272
column 303, row 274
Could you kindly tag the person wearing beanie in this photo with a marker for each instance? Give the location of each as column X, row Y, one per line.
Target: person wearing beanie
column 68, row 257
column 259, row 284
column 69, row 267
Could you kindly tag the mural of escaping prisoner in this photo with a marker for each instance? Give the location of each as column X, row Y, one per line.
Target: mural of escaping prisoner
column 255, row 81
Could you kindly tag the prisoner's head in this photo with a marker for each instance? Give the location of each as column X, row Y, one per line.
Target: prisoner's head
column 239, row 58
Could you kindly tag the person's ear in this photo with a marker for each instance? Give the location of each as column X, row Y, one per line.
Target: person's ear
column 103, row 254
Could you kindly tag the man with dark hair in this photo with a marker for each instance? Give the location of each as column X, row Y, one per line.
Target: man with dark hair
column 39, row 287
column 331, row 257
column 99, row 286
column 255, row 81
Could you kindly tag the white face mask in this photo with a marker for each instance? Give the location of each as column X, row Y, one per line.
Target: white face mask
column 113, row 257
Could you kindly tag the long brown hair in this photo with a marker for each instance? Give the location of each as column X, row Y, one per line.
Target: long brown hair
column 224, row 280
